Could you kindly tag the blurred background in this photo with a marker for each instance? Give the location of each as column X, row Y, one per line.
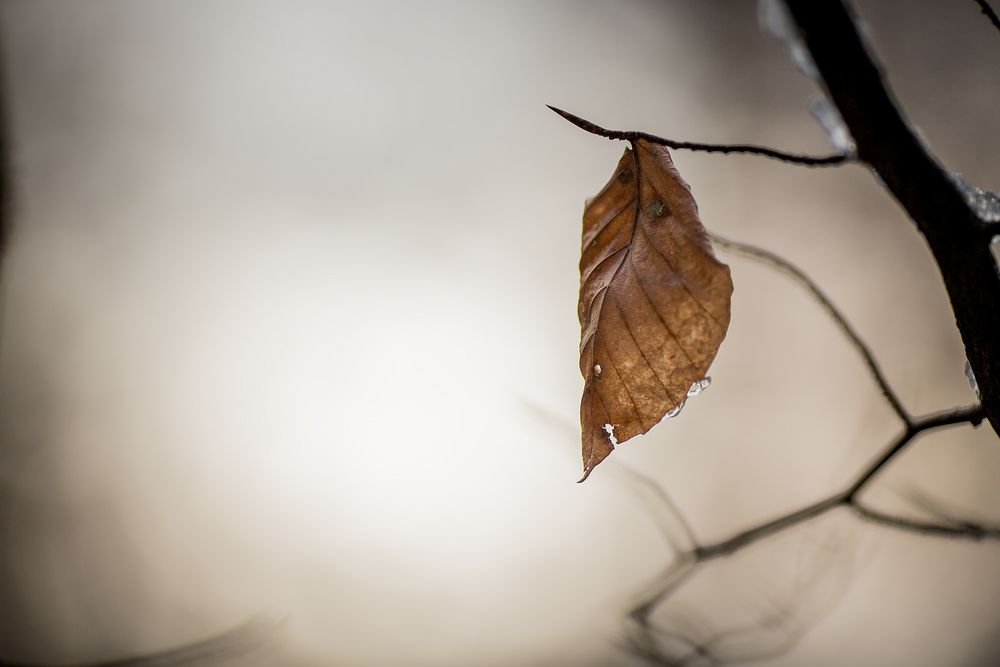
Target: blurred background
column 289, row 328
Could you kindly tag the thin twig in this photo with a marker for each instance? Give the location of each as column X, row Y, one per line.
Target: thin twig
column 676, row 529
column 990, row 14
column 913, row 175
column 620, row 135
column 672, row 578
column 746, row 537
column 845, row 327
column 972, row 414
column 966, row 530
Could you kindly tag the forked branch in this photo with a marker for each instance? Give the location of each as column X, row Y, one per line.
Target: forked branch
column 643, row 642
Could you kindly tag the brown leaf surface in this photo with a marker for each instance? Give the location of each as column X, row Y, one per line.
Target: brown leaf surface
column 654, row 300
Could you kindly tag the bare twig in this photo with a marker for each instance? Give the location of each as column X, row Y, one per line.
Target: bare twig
column 972, row 415
column 966, row 530
column 845, row 327
column 988, row 11
column 807, row 160
column 686, row 563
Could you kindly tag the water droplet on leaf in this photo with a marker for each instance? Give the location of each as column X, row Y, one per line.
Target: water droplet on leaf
column 699, row 386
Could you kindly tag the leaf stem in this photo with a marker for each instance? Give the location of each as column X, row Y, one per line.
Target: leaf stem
column 620, row 135
column 786, row 267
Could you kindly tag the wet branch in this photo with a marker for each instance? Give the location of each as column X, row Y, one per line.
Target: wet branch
column 807, row 160
column 958, row 237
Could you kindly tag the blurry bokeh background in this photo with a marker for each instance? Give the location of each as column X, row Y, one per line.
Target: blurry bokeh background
column 289, row 327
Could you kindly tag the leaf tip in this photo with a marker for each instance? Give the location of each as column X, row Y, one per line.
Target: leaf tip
column 586, row 474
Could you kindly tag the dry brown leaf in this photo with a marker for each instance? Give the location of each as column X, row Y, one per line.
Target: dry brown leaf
column 654, row 300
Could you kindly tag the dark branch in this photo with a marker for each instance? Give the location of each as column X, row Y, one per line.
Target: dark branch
column 747, row 537
column 990, row 14
column 965, row 530
column 845, row 327
column 807, row 160
column 678, row 572
column 958, row 238
column 972, row 415
column 968, row 415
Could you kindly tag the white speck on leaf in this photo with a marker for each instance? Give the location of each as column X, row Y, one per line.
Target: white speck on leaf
column 610, row 430
column 676, row 409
